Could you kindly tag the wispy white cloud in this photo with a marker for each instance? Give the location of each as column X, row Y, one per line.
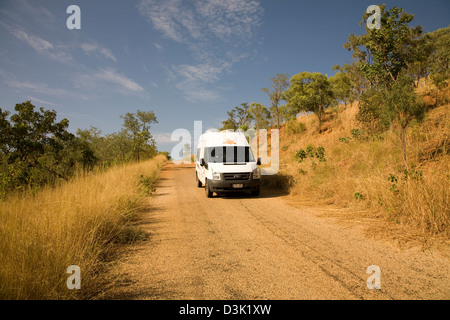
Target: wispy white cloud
column 166, row 16
column 112, row 76
column 38, row 44
column 230, row 20
column 41, row 46
column 41, row 88
column 47, row 103
column 198, row 92
column 22, row 11
column 203, row 72
column 182, row 21
column 195, row 81
column 108, row 76
column 217, row 32
column 94, row 48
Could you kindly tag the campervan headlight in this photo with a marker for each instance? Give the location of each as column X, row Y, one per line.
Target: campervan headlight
column 256, row 174
column 216, row 175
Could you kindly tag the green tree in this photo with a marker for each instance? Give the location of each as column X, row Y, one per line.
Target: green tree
column 386, row 56
column 113, row 148
column 279, row 84
column 386, row 52
column 37, row 149
column 440, row 58
column 290, row 95
column 122, row 145
column 92, row 137
column 243, row 116
column 138, row 125
column 310, row 92
column 419, row 67
column 358, row 83
column 372, row 110
column 230, row 123
column 239, row 117
column 261, row 115
column 341, row 86
column 287, row 112
column 405, row 106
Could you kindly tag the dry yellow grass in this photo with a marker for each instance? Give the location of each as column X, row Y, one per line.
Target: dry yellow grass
column 356, row 171
column 74, row 224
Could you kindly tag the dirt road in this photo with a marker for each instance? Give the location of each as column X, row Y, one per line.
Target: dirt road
column 244, row 247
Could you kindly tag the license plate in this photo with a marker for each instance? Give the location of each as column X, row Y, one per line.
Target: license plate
column 236, row 186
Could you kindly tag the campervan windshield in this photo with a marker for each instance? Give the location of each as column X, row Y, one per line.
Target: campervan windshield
column 229, row 155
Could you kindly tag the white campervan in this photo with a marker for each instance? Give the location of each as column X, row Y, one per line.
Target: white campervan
column 224, row 162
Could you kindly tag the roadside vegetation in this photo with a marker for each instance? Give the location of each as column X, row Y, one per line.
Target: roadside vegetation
column 36, row 150
column 81, row 222
column 364, row 172
column 374, row 136
column 69, row 199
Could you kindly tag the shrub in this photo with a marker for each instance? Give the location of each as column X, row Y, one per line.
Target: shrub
column 301, row 154
column 295, row 127
column 358, row 196
column 318, row 153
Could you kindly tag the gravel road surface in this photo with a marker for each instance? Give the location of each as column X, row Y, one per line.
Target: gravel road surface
column 244, row 247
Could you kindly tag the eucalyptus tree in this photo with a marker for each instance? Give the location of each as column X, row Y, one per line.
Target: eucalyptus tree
column 279, row 85
column 310, row 92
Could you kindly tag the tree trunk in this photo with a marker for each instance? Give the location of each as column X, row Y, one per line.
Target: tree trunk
column 319, row 115
column 278, row 118
column 359, row 100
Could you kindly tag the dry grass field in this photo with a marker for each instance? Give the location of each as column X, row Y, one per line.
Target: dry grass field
column 78, row 223
column 363, row 176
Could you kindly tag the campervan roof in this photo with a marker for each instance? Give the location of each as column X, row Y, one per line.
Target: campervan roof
column 223, row 138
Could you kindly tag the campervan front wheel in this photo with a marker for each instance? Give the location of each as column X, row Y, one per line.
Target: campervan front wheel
column 199, row 183
column 207, row 190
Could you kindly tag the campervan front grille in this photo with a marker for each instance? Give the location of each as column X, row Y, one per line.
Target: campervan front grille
column 237, row 176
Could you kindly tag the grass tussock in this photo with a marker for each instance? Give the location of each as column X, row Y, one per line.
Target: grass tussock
column 78, row 223
column 364, row 173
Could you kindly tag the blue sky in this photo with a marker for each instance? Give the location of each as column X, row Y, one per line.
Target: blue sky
column 184, row 60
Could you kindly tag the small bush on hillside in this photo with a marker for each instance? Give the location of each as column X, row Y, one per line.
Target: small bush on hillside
column 358, row 196
column 301, row 154
column 356, row 133
column 320, row 153
column 311, row 152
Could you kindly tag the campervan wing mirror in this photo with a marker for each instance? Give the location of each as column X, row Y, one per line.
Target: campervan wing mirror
column 258, row 162
column 203, row 163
